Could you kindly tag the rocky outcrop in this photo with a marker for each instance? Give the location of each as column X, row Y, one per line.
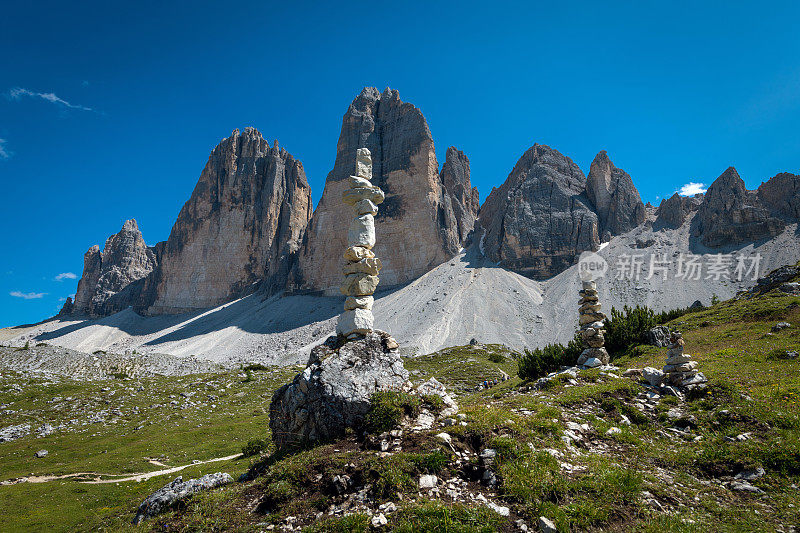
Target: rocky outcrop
column 673, row 211
column 462, row 201
column 781, row 195
column 616, row 200
column 540, row 220
column 418, row 225
column 104, row 287
column 730, row 214
column 177, row 490
column 239, row 229
column 333, row 392
column 88, row 282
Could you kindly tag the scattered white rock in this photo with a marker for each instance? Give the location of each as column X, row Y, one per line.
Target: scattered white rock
column 428, row 481
column 546, row 525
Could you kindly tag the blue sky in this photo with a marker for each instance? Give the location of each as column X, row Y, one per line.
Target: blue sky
column 109, row 110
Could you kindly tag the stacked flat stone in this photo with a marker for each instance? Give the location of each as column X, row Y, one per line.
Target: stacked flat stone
column 362, row 267
column 680, row 370
column 592, row 323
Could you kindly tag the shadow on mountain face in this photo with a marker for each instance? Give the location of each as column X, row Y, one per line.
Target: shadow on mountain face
column 255, row 313
column 128, row 321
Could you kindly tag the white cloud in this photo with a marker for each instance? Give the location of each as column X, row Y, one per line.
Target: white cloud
column 4, row 152
column 18, row 92
column 66, row 275
column 27, row 295
column 692, row 188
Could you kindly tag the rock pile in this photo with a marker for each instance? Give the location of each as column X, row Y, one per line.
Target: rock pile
column 592, row 322
column 362, row 267
column 680, row 370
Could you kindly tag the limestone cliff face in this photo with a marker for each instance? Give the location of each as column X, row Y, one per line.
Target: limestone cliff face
column 673, row 211
column 730, row 214
column 539, row 221
column 418, row 226
column 781, row 195
column 461, row 201
column 617, row 202
column 103, row 287
column 240, row 227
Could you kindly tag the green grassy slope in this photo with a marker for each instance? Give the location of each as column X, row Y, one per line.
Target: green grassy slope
column 669, row 469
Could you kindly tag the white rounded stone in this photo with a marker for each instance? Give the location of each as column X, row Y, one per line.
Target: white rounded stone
column 358, row 302
column 356, row 181
column 362, row 231
column 355, row 321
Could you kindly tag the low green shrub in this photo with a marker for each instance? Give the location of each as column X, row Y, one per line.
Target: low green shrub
column 437, row 517
column 254, row 447
column 387, row 408
column 628, row 328
column 541, row 361
column 255, row 367
column 354, row 523
column 495, row 357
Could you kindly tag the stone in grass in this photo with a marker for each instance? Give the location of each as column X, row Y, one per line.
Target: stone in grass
column 428, row 481
column 744, row 486
column 751, row 474
column 170, row 493
column 41, row 453
column 653, row 376
column 499, row 509
column 546, row 525
column 592, row 362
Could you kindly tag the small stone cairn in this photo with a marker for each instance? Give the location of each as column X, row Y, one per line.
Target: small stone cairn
column 592, row 322
column 680, row 370
column 362, row 267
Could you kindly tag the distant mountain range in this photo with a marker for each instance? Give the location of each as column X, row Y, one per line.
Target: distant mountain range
column 248, row 224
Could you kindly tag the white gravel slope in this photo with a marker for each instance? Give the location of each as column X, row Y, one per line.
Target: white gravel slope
column 464, row 298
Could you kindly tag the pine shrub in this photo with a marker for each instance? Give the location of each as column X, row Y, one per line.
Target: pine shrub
column 541, row 361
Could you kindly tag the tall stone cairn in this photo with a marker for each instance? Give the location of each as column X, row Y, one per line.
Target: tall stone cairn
column 680, row 370
column 592, row 322
column 362, row 267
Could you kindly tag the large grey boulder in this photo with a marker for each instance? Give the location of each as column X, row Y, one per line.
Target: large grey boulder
column 611, row 190
column 164, row 497
column 540, row 219
column 658, row 336
column 333, row 392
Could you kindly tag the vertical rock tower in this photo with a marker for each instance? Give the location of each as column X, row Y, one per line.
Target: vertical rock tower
column 362, row 267
column 592, row 322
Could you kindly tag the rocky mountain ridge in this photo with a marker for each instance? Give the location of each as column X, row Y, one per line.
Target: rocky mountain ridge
column 425, row 216
column 249, row 222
